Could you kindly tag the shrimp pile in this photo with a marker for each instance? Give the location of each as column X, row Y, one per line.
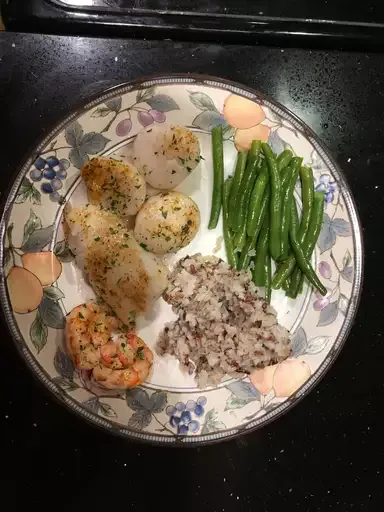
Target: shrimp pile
column 97, row 340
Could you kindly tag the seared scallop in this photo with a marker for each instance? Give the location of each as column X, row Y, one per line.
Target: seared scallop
column 166, row 155
column 167, row 222
column 114, row 185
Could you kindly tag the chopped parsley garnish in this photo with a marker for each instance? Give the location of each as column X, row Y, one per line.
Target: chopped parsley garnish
column 164, row 213
column 124, row 327
column 140, row 353
column 81, row 315
column 97, row 239
column 144, row 246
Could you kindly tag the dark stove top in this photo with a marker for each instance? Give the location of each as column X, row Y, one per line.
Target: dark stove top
column 324, row 23
column 325, row 10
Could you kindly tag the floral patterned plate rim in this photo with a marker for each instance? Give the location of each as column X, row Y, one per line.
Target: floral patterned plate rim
column 169, row 408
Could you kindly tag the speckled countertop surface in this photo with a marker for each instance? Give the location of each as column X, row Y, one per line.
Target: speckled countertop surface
column 325, row 454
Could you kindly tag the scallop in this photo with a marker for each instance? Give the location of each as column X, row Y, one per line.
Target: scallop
column 166, row 155
column 167, row 222
column 114, row 185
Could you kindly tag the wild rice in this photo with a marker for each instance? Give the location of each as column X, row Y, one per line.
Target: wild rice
column 223, row 327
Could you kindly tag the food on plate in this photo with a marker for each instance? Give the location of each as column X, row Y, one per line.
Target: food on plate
column 121, row 272
column 260, row 219
column 240, row 205
column 97, row 340
column 45, row 265
column 223, row 327
column 165, row 155
column 218, row 175
column 25, row 290
column 114, row 185
column 167, row 222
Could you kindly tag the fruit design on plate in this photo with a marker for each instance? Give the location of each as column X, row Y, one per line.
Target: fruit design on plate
column 149, row 107
column 284, row 378
column 246, row 117
column 51, row 172
column 32, row 274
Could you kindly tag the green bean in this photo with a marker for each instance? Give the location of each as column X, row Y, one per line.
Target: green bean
column 251, row 241
column 236, row 182
column 259, row 274
column 256, row 200
column 229, row 249
column 283, row 159
column 275, row 203
column 286, row 269
column 294, row 220
column 242, row 199
column 286, row 284
column 314, row 229
column 289, row 265
column 240, row 237
column 307, row 190
column 304, row 264
column 268, row 277
column 287, row 201
column 218, row 175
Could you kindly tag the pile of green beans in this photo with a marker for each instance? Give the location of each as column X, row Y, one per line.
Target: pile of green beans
column 260, row 218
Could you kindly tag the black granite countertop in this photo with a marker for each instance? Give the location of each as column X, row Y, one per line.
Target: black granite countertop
column 325, row 454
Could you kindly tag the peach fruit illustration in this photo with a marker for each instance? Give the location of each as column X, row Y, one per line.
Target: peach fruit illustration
column 45, row 265
column 25, row 290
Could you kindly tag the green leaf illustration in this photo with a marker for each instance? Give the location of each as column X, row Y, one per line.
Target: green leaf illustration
column 38, row 332
column 202, row 101
column 144, row 94
column 38, row 239
column 140, row 419
column 53, row 293
column 52, row 314
column 31, row 225
column 107, row 410
column 162, row 103
column 212, row 423
column 63, row 251
column 114, row 104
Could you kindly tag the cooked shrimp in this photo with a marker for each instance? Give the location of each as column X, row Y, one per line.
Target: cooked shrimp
column 97, row 340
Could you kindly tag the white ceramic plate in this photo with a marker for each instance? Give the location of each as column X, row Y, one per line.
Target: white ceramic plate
column 169, row 408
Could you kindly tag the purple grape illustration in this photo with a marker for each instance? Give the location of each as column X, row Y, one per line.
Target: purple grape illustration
column 54, row 171
column 36, row 175
column 49, row 173
column 56, row 184
column 124, row 127
column 159, row 117
column 145, row 119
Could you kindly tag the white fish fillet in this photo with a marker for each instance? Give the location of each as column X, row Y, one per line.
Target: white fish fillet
column 126, row 276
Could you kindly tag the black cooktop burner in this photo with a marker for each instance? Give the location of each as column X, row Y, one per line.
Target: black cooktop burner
column 336, row 23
